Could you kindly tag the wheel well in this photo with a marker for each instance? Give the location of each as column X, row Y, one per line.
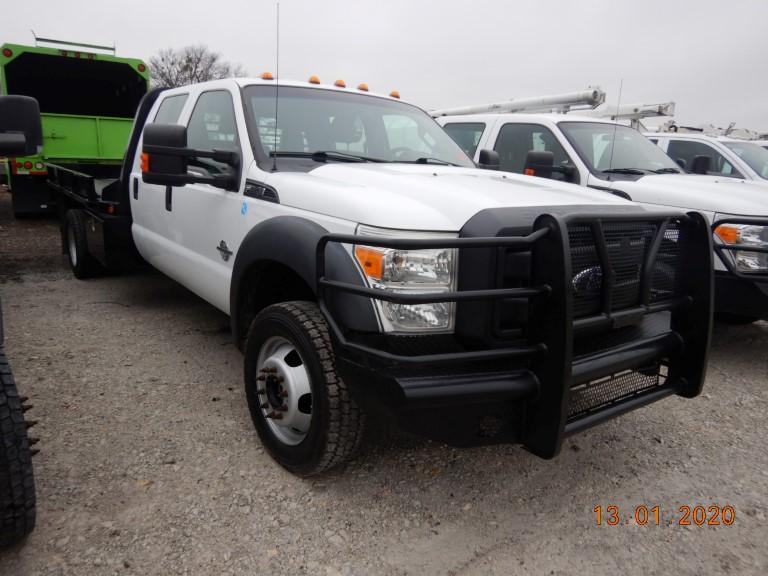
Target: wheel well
column 266, row 283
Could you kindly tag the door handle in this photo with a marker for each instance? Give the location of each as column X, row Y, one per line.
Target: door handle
column 135, row 188
column 169, row 198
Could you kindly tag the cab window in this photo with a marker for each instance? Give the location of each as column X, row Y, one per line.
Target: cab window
column 170, row 109
column 466, row 135
column 212, row 126
column 687, row 150
column 516, row 140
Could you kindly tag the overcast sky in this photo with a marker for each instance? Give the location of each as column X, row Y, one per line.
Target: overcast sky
column 709, row 56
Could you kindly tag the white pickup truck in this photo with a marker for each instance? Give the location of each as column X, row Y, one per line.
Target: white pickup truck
column 367, row 264
column 602, row 155
column 727, row 157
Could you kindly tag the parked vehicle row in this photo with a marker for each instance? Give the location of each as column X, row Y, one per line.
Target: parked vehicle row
column 619, row 160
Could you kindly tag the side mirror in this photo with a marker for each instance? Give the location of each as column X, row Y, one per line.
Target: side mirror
column 21, row 133
column 680, row 162
column 488, row 160
column 700, row 164
column 165, row 159
column 539, row 163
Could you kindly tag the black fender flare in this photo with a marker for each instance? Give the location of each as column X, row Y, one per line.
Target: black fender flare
column 292, row 242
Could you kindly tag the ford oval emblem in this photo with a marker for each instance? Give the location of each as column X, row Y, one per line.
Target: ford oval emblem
column 588, row 279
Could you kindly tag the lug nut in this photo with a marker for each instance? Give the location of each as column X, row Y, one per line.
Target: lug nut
column 275, row 415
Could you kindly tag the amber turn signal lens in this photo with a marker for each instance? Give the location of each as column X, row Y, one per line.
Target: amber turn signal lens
column 144, row 162
column 371, row 260
column 728, row 234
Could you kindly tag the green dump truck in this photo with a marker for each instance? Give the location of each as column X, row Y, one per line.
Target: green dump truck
column 87, row 100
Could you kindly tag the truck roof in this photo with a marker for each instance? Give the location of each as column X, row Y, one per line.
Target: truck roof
column 361, row 89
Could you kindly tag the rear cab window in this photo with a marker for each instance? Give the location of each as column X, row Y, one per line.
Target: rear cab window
column 170, row 109
column 466, row 134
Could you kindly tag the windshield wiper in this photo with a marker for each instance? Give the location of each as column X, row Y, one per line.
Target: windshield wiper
column 668, row 171
column 429, row 160
column 637, row 171
column 325, row 155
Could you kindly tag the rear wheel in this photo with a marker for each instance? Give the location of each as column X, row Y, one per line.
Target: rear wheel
column 80, row 260
column 300, row 406
column 17, row 483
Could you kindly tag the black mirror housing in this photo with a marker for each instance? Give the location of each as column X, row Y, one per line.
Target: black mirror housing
column 539, row 163
column 21, row 132
column 168, row 167
column 488, row 160
column 701, row 164
column 165, row 159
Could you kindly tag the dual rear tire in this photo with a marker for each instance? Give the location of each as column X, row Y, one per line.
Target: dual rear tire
column 76, row 243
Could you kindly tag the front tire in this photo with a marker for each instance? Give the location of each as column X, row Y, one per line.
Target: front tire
column 17, row 482
column 80, row 260
column 300, row 406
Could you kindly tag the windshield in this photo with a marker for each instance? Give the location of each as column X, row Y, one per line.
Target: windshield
column 755, row 156
column 328, row 125
column 628, row 151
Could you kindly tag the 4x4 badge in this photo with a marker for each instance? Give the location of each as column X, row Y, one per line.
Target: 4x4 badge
column 224, row 250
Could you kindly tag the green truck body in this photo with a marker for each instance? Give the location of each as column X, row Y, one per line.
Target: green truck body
column 87, row 102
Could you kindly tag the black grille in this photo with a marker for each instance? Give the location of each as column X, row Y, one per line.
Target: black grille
column 601, row 393
column 625, row 245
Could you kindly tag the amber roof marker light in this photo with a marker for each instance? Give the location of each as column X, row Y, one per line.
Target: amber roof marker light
column 340, row 84
column 363, row 87
column 314, row 79
column 267, row 76
column 394, row 94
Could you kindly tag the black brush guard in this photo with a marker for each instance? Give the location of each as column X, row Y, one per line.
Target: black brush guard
column 550, row 372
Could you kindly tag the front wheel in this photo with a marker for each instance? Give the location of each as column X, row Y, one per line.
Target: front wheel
column 300, row 406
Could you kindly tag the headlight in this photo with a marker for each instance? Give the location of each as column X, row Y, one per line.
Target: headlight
column 410, row 272
column 748, row 234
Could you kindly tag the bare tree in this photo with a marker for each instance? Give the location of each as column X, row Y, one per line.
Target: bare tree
column 170, row 68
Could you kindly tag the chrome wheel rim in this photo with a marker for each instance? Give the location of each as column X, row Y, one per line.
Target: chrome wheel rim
column 283, row 390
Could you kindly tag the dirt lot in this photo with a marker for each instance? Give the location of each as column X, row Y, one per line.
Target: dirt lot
column 150, row 464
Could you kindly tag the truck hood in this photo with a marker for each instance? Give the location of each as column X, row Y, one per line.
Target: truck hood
column 419, row 197
column 705, row 193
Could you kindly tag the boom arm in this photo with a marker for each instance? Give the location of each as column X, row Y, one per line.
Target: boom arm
column 590, row 98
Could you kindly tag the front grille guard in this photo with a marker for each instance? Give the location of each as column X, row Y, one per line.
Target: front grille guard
column 549, row 347
column 722, row 248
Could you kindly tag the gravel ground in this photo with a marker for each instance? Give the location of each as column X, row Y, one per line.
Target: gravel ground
column 150, row 464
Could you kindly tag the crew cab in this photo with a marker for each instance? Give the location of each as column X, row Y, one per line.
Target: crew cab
column 727, row 157
column 617, row 159
column 368, row 265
